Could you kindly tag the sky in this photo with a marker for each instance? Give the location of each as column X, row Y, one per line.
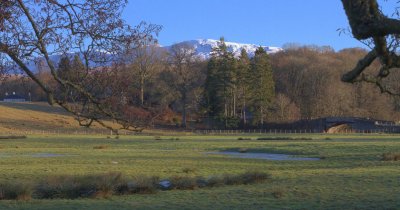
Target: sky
column 261, row 22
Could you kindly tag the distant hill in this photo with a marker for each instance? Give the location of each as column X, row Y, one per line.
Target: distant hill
column 203, row 49
column 37, row 117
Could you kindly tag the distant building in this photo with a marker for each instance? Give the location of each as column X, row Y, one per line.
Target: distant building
column 13, row 98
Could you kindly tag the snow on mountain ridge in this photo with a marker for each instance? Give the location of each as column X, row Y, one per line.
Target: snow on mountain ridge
column 204, row 47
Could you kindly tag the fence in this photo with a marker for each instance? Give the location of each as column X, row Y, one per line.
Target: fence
column 202, row 132
column 68, row 132
column 298, row 131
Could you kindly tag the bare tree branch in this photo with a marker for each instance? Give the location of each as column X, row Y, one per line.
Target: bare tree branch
column 92, row 30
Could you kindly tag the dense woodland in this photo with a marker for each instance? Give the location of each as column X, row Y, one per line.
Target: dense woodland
column 300, row 82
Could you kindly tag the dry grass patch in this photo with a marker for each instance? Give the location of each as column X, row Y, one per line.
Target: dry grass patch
column 100, row 147
column 283, row 138
column 71, row 187
column 143, row 185
column 184, row 183
column 391, row 156
column 106, row 185
column 13, row 137
column 15, row 191
column 244, row 139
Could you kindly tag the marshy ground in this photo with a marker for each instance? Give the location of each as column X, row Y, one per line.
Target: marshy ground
column 349, row 175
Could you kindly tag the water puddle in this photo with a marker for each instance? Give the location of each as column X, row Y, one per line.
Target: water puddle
column 262, row 156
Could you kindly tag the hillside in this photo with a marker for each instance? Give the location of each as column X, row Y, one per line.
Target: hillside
column 204, row 47
column 38, row 118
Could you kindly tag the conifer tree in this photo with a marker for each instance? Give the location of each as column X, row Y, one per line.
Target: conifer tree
column 220, row 90
column 262, row 86
column 64, row 67
column 243, row 84
column 78, row 69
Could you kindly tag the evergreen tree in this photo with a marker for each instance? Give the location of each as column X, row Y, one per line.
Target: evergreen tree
column 262, row 87
column 64, row 70
column 220, row 87
column 64, row 67
column 243, row 84
column 78, row 69
column 71, row 71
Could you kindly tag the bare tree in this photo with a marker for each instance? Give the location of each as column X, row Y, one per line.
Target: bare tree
column 370, row 25
column 185, row 74
column 94, row 30
column 286, row 110
column 146, row 61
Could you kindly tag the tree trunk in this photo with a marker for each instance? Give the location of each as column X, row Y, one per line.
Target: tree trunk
column 262, row 116
column 234, row 103
column 244, row 112
column 226, row 113
column 142, row 90
column 184, row 125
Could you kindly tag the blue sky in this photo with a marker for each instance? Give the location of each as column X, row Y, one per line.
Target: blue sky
column 264, row 22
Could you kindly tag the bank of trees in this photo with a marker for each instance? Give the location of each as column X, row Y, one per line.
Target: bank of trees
column 227, row 91
column 310, row 78
column 236, row 87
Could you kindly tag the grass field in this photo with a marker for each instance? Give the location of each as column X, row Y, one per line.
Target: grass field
column 38, row 117
column 351, row 174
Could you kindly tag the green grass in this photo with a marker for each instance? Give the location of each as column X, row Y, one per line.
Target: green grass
column 352, row 174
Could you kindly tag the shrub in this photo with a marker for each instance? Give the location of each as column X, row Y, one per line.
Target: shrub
column 55, row 187
column 144, row 185
column 201, row 182
column 215, row 181
column 254, row 177
column 15, row 191
column 183, row 183
column 104, row 186
column 245, row 178
column 229, row 179
column 391, row 156
column 72, row 187
column 244, row 139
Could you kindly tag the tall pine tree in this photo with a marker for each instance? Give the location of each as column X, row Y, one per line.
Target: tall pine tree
column 243, row 84
column 262, row 86
column 220, row 87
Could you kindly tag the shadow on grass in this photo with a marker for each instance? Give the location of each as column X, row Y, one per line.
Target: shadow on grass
column 39, row 107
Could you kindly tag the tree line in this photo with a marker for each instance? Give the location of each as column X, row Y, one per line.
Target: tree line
column 300, row 82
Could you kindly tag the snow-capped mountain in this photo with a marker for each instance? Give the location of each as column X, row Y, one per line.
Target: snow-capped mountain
column 204, row 47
